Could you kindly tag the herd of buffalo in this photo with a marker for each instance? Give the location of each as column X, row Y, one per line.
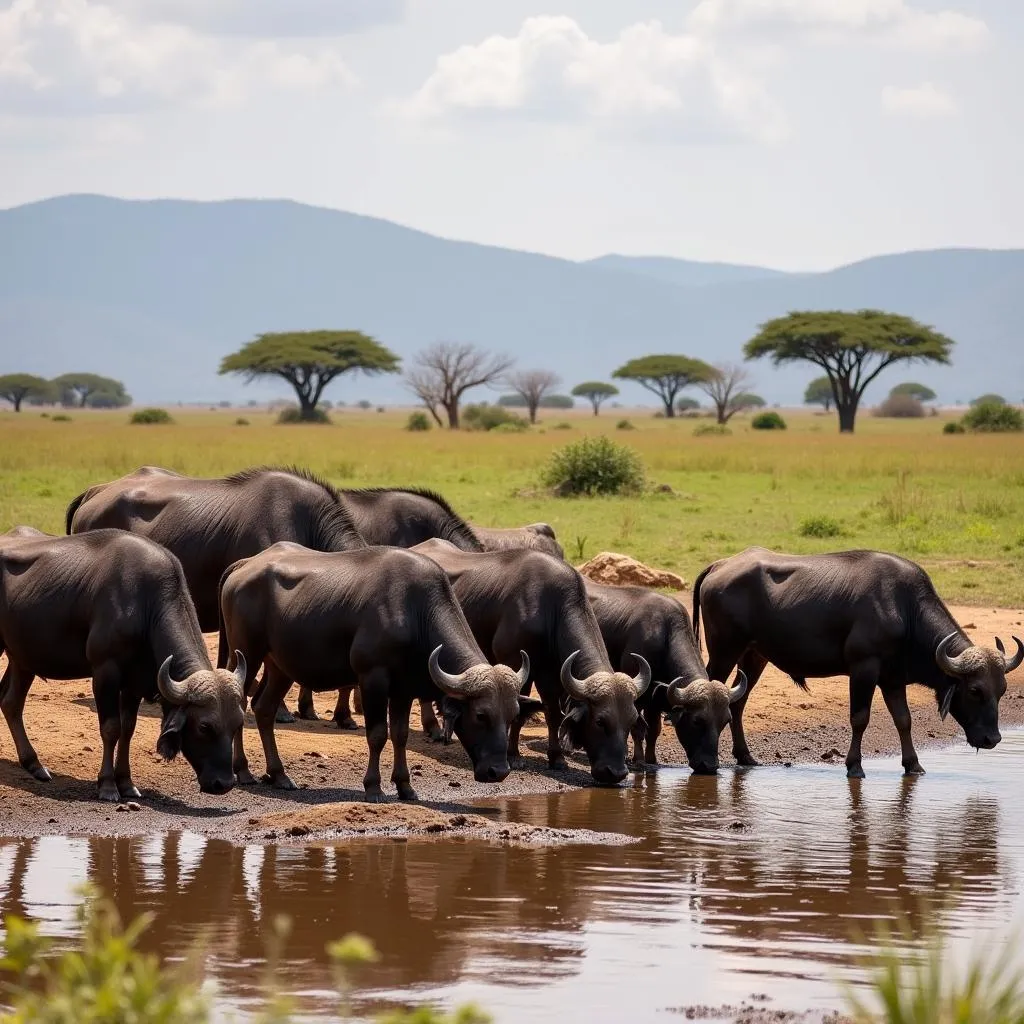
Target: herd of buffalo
column 388, row 593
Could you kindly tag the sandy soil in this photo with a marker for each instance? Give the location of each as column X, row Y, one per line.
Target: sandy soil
column 783, row 724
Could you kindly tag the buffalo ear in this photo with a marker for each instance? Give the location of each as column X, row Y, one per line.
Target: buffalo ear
column 528, row 707
column 168, row 746
column 450, row 711
column 659, row 698
column 947, row 699
column 576, row 716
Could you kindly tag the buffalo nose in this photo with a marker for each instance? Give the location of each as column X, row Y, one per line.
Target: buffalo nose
column 494, row 773
column 991, row 740
column 218, row 787
column 606, row 776
column 705, row 768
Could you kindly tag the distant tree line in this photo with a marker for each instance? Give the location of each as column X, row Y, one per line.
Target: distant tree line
column 71, row 390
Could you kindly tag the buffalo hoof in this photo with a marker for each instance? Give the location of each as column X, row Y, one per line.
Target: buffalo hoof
column 309, row 714
column 374, row 796
column 913, row 769
column 747, row 760
column 558, row 764
column 279, row 780
column 108, row 792
column 284, row 716
column 244, row 777
column 855, row 771
column 434, row 735
column 39, row 773
column 348, row 724
column 128, row 791
column 407, row 793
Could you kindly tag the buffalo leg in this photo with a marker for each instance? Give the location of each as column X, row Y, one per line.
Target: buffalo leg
column 553, row 718
column 342, row 717
column 14, row 688
column 306, row 710
column 282, row 715
column 374, row 687
column 126, row 789
column 896, row 702
column 431, row 728
column 863, row 680
column 275, row 685
column 649, row 736
column 399, row 709
column 753, row 666
column 106, row 689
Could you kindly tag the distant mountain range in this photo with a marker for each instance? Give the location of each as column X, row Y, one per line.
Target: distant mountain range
column 156, row 292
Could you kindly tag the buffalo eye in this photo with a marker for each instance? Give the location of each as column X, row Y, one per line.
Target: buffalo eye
column 205, row 730
column 482, row 718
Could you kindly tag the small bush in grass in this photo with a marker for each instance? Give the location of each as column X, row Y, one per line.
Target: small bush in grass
column 148, row 416
column 768, row 421
column 488, row 417
column 241, row 422
column 711, row 430
column 417, row 422
column 512, row 427
column 624, row 425
column 820, row 526
column 900, row 407
column 45, row 415
column 562, row 426
column 595, row 465
column 293, row 414
column 62, row 417
column 994, row 418
column 955, row 427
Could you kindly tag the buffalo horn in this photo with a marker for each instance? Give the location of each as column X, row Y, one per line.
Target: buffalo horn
column 241, row 671
column 951, row 666
column 675, row 691
column 172, row 691
column 524, row 671
column 576, row 688
column 1009, row 664
column 643, row 678
column 739, row 688
column 454, row 686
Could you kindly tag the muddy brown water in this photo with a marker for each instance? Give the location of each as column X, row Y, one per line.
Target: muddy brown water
column 748, row 884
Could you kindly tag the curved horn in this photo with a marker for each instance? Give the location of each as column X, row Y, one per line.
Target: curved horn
column 739, row 688
column 1009, row 664
column 524, row 671
column 576, row 688
column 241, row 672
column 674, row 696
column 454, row 686
column 643, row 678
column 951, row 666
column 172, row 691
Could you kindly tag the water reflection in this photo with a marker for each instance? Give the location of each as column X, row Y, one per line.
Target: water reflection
column 750, row 881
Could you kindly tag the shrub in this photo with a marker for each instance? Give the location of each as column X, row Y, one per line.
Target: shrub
column 900, row 407
column 487, row 417
column 993, row 417
column 820, row 526
column 512, row 427
column 365, row 404
column 148, row 416
column 624, row 425
column 595, row 465
column 417, row 422
column 711, row 430
column 45, row 415
column 955, row 427
column 61, row 417
column 293, row 414
column 768, row 421
column 241, row 422
column 988, row 399
column 562, row 426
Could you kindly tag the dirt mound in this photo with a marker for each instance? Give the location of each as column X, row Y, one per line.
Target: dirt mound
column 622, row 571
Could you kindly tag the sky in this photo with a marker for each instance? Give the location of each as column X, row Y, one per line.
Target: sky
column 798, row 134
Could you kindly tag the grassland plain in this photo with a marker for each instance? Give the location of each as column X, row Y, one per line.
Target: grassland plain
column 954, row 503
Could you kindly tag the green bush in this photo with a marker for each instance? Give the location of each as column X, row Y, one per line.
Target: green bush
column 595, row 465
column 994, row 418
column 989, row 399
column 900, row 407
column 820, row 526
column 562, row 426
column 624, row 425
column 489, row 417
column 511, row 428
column 61, row 417
column 417, row 422
column 712, row 430
column 293, row 414
column 955, row 427
column 151, row 415
column 241, row 422
column 768, row 421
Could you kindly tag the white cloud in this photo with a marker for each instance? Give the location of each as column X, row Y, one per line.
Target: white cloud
column 891, row 21
column 924, row 100
column 645, row 79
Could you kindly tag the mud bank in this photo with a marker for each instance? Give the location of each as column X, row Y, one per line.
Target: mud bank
column 783, row 725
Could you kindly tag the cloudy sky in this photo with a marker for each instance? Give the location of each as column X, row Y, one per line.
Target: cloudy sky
column 795, row 133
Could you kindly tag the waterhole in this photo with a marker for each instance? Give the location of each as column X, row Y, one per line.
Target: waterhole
column 753, row 883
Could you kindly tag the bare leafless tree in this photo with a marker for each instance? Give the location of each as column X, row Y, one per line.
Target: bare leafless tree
column 532, row 386
column 443, row 373
column 727, row 390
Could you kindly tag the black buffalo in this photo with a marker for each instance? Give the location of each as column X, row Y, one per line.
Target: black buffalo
column 526, row 600
column 382, row 618
column 634, row 619
column 869, row 615
column 115, row 607
column 535, row 537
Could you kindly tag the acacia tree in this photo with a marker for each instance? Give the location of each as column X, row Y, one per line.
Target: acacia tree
column 76, row 389
column 443, row 373
column 725, row 389
column 666, row 376
column 819, row 392
column 16, row 387
column 852, row 349
column 919, row 391
column 309, row 361
column 532, row 386
column 687, row 404
column 596, row 392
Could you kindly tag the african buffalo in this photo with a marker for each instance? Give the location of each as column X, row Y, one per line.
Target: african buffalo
column 657, row 626
column 869, row 615
column 115, row 607
column 384, row 618
column 526, row 600
column 535, row 537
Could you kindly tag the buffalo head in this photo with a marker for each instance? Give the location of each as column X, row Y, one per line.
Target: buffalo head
column 978, row 683
column 600, row 715
column 479, row 707
column 699, row 709
column 202, row 714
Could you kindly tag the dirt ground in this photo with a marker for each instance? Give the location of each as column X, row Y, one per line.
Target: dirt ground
column 783, row 724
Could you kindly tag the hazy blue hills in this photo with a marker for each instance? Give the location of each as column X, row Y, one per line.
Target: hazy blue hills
column 156, row 292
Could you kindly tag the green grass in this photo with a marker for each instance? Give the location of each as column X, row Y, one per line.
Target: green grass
column 954, row 504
